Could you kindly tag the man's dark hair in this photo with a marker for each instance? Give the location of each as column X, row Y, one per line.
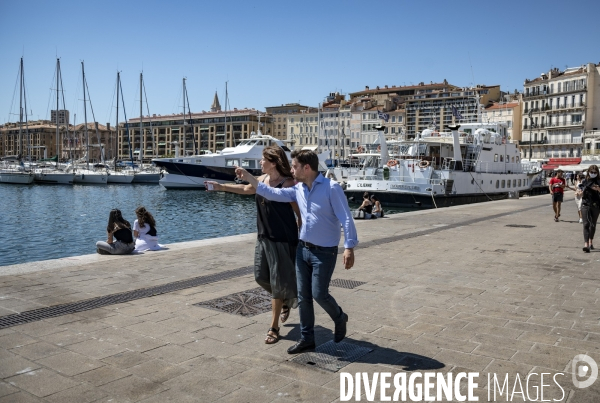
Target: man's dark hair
column 307, row 157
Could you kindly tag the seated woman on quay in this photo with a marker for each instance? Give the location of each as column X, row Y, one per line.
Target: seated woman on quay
column 144, row 230
column 377, row 210
column 366, row 207
column 120, row 240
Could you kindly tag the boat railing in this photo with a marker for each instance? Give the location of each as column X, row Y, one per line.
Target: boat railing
column 379, row 176
column 473, row 165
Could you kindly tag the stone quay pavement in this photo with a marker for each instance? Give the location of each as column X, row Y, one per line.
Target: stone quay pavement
column 494, row 288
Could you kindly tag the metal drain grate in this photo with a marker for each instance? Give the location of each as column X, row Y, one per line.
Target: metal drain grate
column 520, row 226
column 99, row 302
column 332, row 356
column 246, row 303
column 342, row 283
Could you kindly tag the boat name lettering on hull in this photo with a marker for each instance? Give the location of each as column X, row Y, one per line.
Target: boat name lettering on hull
column 364, row 185
column 404, row 187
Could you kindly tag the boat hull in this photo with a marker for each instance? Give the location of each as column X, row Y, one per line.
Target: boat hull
column 93, row 178
column 54, row 178
column 16, row 178
column 146, row 177
column 415, row 200
column 194, row 176
column 119, row 178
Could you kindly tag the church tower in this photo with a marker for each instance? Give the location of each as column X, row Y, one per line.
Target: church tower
column 216, row 106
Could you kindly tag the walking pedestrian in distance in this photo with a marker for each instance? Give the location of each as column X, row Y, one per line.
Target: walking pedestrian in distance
column 277, row 239
column 579, row 194
column 590, row 206
column 557, row 189
column 323, row 208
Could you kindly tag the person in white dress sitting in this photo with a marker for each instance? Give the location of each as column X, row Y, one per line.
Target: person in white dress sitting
column 144, row 231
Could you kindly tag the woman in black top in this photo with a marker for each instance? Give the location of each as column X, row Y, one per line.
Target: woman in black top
column 277, row 226
column 120, row 239
column 590, row 206
column 366, row 205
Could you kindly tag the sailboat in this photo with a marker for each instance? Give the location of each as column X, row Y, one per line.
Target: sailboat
column 54, row 175
column 86, row 175
column 12, row 169
column 148, row 175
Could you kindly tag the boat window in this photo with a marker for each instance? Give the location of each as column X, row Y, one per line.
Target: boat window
column 512, row 159
column 508, row 158
column 501, row 158
column 495, row 157
column 514, row 183
column 517, row 159
column 503, row 183
column 232, row 162
column 519, row 182
column 497, row 184
column 249, row 164
column 508, row 184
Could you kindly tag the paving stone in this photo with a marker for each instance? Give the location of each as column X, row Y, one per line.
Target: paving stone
column 6, row 389
column 41, row 382
column 114, row 335
column 159, row 370
column 132, row 388
column 16, row 365
column 21, row 397
column 102, row 375
column 126, row 359
column 15, row 339
column 69, row 363
column 35, row 351
column 173, row 353
column 95, row 348
column 215, row 367
column 83, row 393
column 193, row 383
column 302, row 392
column 151, row 329
column 143, row 344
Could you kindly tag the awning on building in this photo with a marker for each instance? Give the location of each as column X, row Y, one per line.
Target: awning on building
column 554, row 163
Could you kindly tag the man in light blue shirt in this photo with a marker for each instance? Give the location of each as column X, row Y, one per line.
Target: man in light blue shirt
column 323, row 207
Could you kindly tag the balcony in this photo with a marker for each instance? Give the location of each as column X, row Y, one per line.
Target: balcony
column 569, row 105
column 534, row 142
column 591, row 152
column 565, row 124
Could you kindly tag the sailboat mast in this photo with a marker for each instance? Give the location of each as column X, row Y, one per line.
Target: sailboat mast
column 184, row 131
column 126, row 125
column 56, row 114
column 142, row 142
column 87, row 136
column 154, row 149
column 20, row 143
column 68, row 136
column 226, row 99
column 117, row 123
column 25, row 106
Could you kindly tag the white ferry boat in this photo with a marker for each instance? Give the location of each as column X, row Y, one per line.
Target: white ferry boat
column 192, row 171
column 440, row 169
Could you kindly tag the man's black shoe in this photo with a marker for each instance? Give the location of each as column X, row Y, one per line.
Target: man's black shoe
column 340, row 328
column 301, row 346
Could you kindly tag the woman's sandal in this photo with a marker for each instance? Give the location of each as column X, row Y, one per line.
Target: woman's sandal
column 272, row 338
column 285, row 314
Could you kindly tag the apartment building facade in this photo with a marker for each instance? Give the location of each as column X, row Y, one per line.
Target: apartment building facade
column 280, row 118
column 303, row 129
column 210, row 131
column 559, row 107
column 434, row 107
column 508, row 113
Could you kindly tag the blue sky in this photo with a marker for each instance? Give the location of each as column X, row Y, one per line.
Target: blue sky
column 275, row 52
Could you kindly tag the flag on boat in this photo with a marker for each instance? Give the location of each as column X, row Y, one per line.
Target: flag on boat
column 384, row 116
column 456, row 113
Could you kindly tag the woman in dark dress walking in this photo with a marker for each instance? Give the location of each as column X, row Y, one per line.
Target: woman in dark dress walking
column 277, row 227
column 590, row 206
